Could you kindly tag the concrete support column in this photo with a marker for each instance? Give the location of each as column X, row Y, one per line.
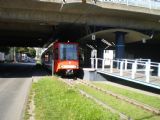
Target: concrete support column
column 100, row 48
column 120, row 45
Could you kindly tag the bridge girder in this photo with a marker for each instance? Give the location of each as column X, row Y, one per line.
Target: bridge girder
column 43, row 17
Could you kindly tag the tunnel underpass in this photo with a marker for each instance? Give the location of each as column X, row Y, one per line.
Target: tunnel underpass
column 83, row 34
column 133, row 31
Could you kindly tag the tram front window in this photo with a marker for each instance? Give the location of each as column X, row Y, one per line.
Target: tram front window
column 68, row 52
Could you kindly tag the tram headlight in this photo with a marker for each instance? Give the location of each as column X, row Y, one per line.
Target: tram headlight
column 61, row 66
column 68, row 66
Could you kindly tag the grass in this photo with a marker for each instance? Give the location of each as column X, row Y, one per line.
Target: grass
column 150, row 100
column 54, row 100
column 27, row 115
column 128, row 109
column 38, row 62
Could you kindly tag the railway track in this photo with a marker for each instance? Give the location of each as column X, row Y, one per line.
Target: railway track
column 71, row 83
column 126, row 99
column 143, row 106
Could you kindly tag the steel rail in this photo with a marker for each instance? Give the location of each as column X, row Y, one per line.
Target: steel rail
column 128, row 100
column 99, row 102
column 104, row 105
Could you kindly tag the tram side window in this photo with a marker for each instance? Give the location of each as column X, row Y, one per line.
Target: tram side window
column 56, row 54
column 46, row 58
column 50, row 57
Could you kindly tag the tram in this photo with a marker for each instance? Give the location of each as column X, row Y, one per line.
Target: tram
column 62, row 58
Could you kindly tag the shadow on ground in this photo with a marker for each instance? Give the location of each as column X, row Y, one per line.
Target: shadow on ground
column 18, row 70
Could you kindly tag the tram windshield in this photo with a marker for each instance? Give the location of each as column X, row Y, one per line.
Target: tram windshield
column 68, row 52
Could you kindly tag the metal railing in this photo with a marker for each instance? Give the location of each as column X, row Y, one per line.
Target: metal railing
column 151, row 4
column 137, row 67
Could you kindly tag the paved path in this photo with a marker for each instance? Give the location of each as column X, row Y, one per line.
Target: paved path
column 13, row 94
column 15, row 81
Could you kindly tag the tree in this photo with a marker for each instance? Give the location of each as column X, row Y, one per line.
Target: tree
column 4, row 49
column 21, row 50
column 31, row 52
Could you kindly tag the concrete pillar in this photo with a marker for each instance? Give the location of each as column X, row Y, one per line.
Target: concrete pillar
column 120, row 45
column 87, row 56
column 100, row 48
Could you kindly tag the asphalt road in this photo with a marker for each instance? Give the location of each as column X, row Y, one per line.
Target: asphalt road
column 15, row 81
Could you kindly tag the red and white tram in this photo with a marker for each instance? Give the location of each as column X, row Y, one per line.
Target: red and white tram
column 62, row 58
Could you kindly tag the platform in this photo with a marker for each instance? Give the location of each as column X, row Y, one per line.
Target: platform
column 142, row 72
column 139, row 78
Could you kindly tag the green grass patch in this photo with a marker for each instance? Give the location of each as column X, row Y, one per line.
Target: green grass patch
column 26, row 115
column 150, row 100
column 38, row 62
column 123, row 107
column 54, row 100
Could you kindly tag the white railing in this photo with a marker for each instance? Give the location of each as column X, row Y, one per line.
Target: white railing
column 151, row 4
column 144, row 67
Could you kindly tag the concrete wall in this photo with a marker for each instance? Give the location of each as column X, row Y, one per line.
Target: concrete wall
column 91, row 74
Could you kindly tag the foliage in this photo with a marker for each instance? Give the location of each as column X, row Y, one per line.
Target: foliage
column 54, row 100
column 4, row 49
column 21, row 49
column 31, row 52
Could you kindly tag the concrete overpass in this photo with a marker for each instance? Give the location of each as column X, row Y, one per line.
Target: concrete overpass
column 34, row 22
